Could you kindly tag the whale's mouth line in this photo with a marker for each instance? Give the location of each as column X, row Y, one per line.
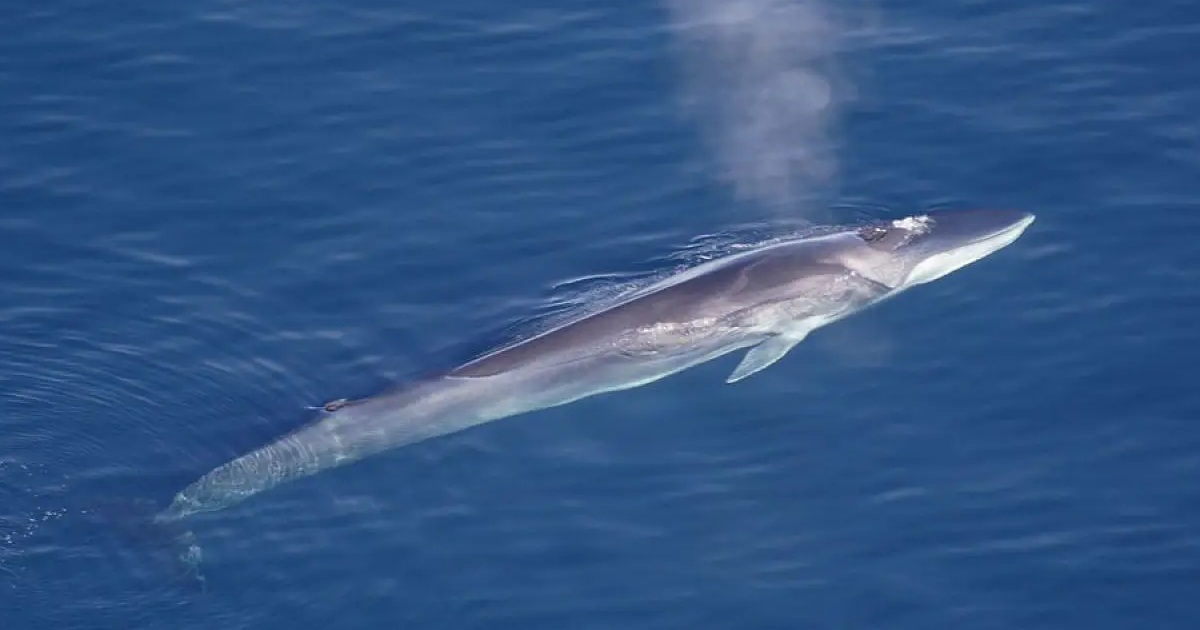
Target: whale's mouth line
column 1015, row 228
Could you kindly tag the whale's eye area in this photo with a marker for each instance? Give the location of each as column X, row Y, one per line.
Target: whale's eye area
column 872, row 233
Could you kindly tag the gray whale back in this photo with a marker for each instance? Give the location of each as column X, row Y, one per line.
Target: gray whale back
column 722, row 288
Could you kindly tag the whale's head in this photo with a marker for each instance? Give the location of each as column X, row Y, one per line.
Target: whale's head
column 914, row 250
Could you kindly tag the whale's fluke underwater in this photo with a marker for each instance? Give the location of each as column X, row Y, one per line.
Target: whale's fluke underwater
column 765, row 300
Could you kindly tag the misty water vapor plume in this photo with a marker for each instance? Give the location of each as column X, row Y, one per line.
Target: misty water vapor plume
column 761, row 84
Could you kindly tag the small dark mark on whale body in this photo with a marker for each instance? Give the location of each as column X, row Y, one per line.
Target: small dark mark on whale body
column 334, row 405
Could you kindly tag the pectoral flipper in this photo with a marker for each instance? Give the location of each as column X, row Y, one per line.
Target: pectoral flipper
column 763, row 355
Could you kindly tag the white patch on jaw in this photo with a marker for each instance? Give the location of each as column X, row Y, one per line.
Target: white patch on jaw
column 918, row 224
column 944, row 263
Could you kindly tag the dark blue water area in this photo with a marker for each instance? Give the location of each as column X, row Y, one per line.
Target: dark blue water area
column 214, row 214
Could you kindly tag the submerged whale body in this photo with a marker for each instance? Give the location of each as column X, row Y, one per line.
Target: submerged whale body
column 765, row 301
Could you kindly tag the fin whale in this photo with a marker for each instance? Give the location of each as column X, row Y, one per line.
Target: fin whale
column 764, row 301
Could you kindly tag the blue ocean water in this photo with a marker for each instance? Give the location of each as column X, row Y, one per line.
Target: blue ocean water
column 214, row 214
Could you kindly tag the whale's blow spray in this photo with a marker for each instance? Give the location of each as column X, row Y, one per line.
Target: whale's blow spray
column 760, row 81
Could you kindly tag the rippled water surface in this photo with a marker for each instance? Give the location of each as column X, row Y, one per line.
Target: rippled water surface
column 216, row 213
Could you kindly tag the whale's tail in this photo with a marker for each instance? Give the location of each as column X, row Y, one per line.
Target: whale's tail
column 169, row 543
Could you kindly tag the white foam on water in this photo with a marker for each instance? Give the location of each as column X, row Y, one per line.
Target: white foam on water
column 918, row 224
